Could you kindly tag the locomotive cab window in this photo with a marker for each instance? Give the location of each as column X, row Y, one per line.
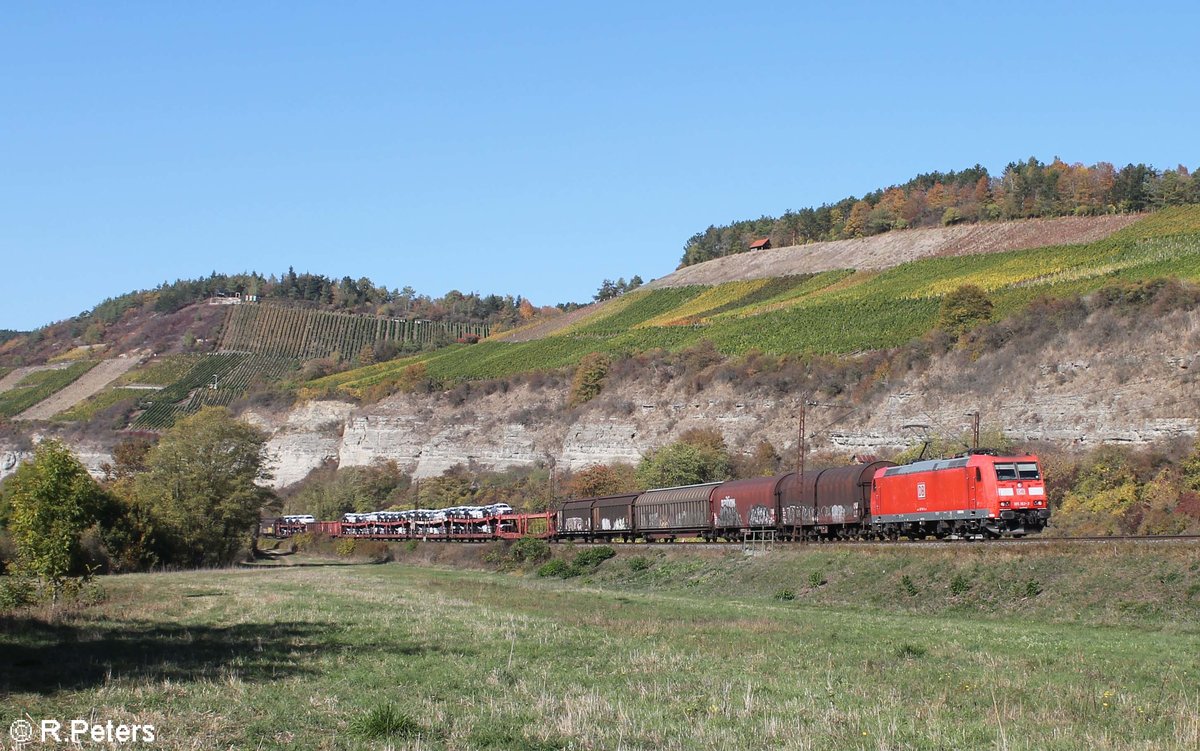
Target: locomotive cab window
column 1006, row 472
column 1028, row 471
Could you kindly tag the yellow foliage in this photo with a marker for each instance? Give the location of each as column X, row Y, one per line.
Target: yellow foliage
column 710, row 299
column 1112, row 500
column 78, row 353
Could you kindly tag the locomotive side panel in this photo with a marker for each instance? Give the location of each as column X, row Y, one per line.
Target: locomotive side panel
column 926, row 494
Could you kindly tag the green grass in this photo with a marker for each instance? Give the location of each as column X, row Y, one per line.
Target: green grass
column 673, row 653
column 40, row 385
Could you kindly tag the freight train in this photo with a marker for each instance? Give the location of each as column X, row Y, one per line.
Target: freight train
column 977, row 495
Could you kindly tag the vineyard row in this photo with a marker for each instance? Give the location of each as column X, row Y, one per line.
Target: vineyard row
column 215, row 380
column 310, row 334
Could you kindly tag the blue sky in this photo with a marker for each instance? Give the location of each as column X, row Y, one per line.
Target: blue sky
column 525, row 148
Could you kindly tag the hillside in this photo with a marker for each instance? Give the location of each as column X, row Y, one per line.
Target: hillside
column 894, row 248
column 1062, row 365
column 838, row 311
column 1025, row 190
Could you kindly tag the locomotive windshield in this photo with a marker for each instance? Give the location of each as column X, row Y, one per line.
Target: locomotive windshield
column 1005, row 472
column 1018, row 471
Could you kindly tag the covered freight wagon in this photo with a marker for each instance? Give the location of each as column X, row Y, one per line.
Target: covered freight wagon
column 827, row 502
column 740, row 505
column 605, row 518
column 673, row 512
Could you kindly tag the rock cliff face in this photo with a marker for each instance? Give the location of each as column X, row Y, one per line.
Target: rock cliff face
column 1110, row 380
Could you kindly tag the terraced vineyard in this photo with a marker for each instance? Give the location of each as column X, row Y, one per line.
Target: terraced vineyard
column 262, row 343
column 831, row 312
column 97, row 403
column 40, row 385
column 303, row 334
column 160, row 371
column 214, row 380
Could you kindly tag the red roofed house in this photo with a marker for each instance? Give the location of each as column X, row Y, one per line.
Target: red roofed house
column 763, row 244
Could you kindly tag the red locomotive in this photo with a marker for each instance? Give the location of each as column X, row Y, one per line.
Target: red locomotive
column 977, row 494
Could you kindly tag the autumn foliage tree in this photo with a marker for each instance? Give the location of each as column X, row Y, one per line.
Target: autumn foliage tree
column 589, row 377
column 964, row 309
column 601, row 480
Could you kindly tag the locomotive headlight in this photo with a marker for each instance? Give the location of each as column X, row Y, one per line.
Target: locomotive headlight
column 1005, row 504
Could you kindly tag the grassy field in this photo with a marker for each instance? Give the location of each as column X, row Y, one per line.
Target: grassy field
column 833, row 312
column 652, row 651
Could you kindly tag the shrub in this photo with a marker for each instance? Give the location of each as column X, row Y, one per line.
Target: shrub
column 785, row 595
column 964, row 309
column 556, row 567
column 345, row 547
column 960, row 584
column 638, row 563
column 906, row 584
column 17, row 591
column 1033, row 588
column 529, row 550
column 816, row 579
column 593, row 557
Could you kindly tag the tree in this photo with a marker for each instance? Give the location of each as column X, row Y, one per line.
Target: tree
column 589, row 377
column 601, row 480
column 763, row 461
column 52, row 500
column 329, row 492
column 608, row 290
column 201, row 481
column 684, row 463
column 856, row 224
column 963, row 309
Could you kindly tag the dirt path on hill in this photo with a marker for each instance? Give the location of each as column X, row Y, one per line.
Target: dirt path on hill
column 87, row 384
column 17, row 375
column 894, row 248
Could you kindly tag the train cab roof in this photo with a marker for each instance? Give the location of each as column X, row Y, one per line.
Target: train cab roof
column 973, row 459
